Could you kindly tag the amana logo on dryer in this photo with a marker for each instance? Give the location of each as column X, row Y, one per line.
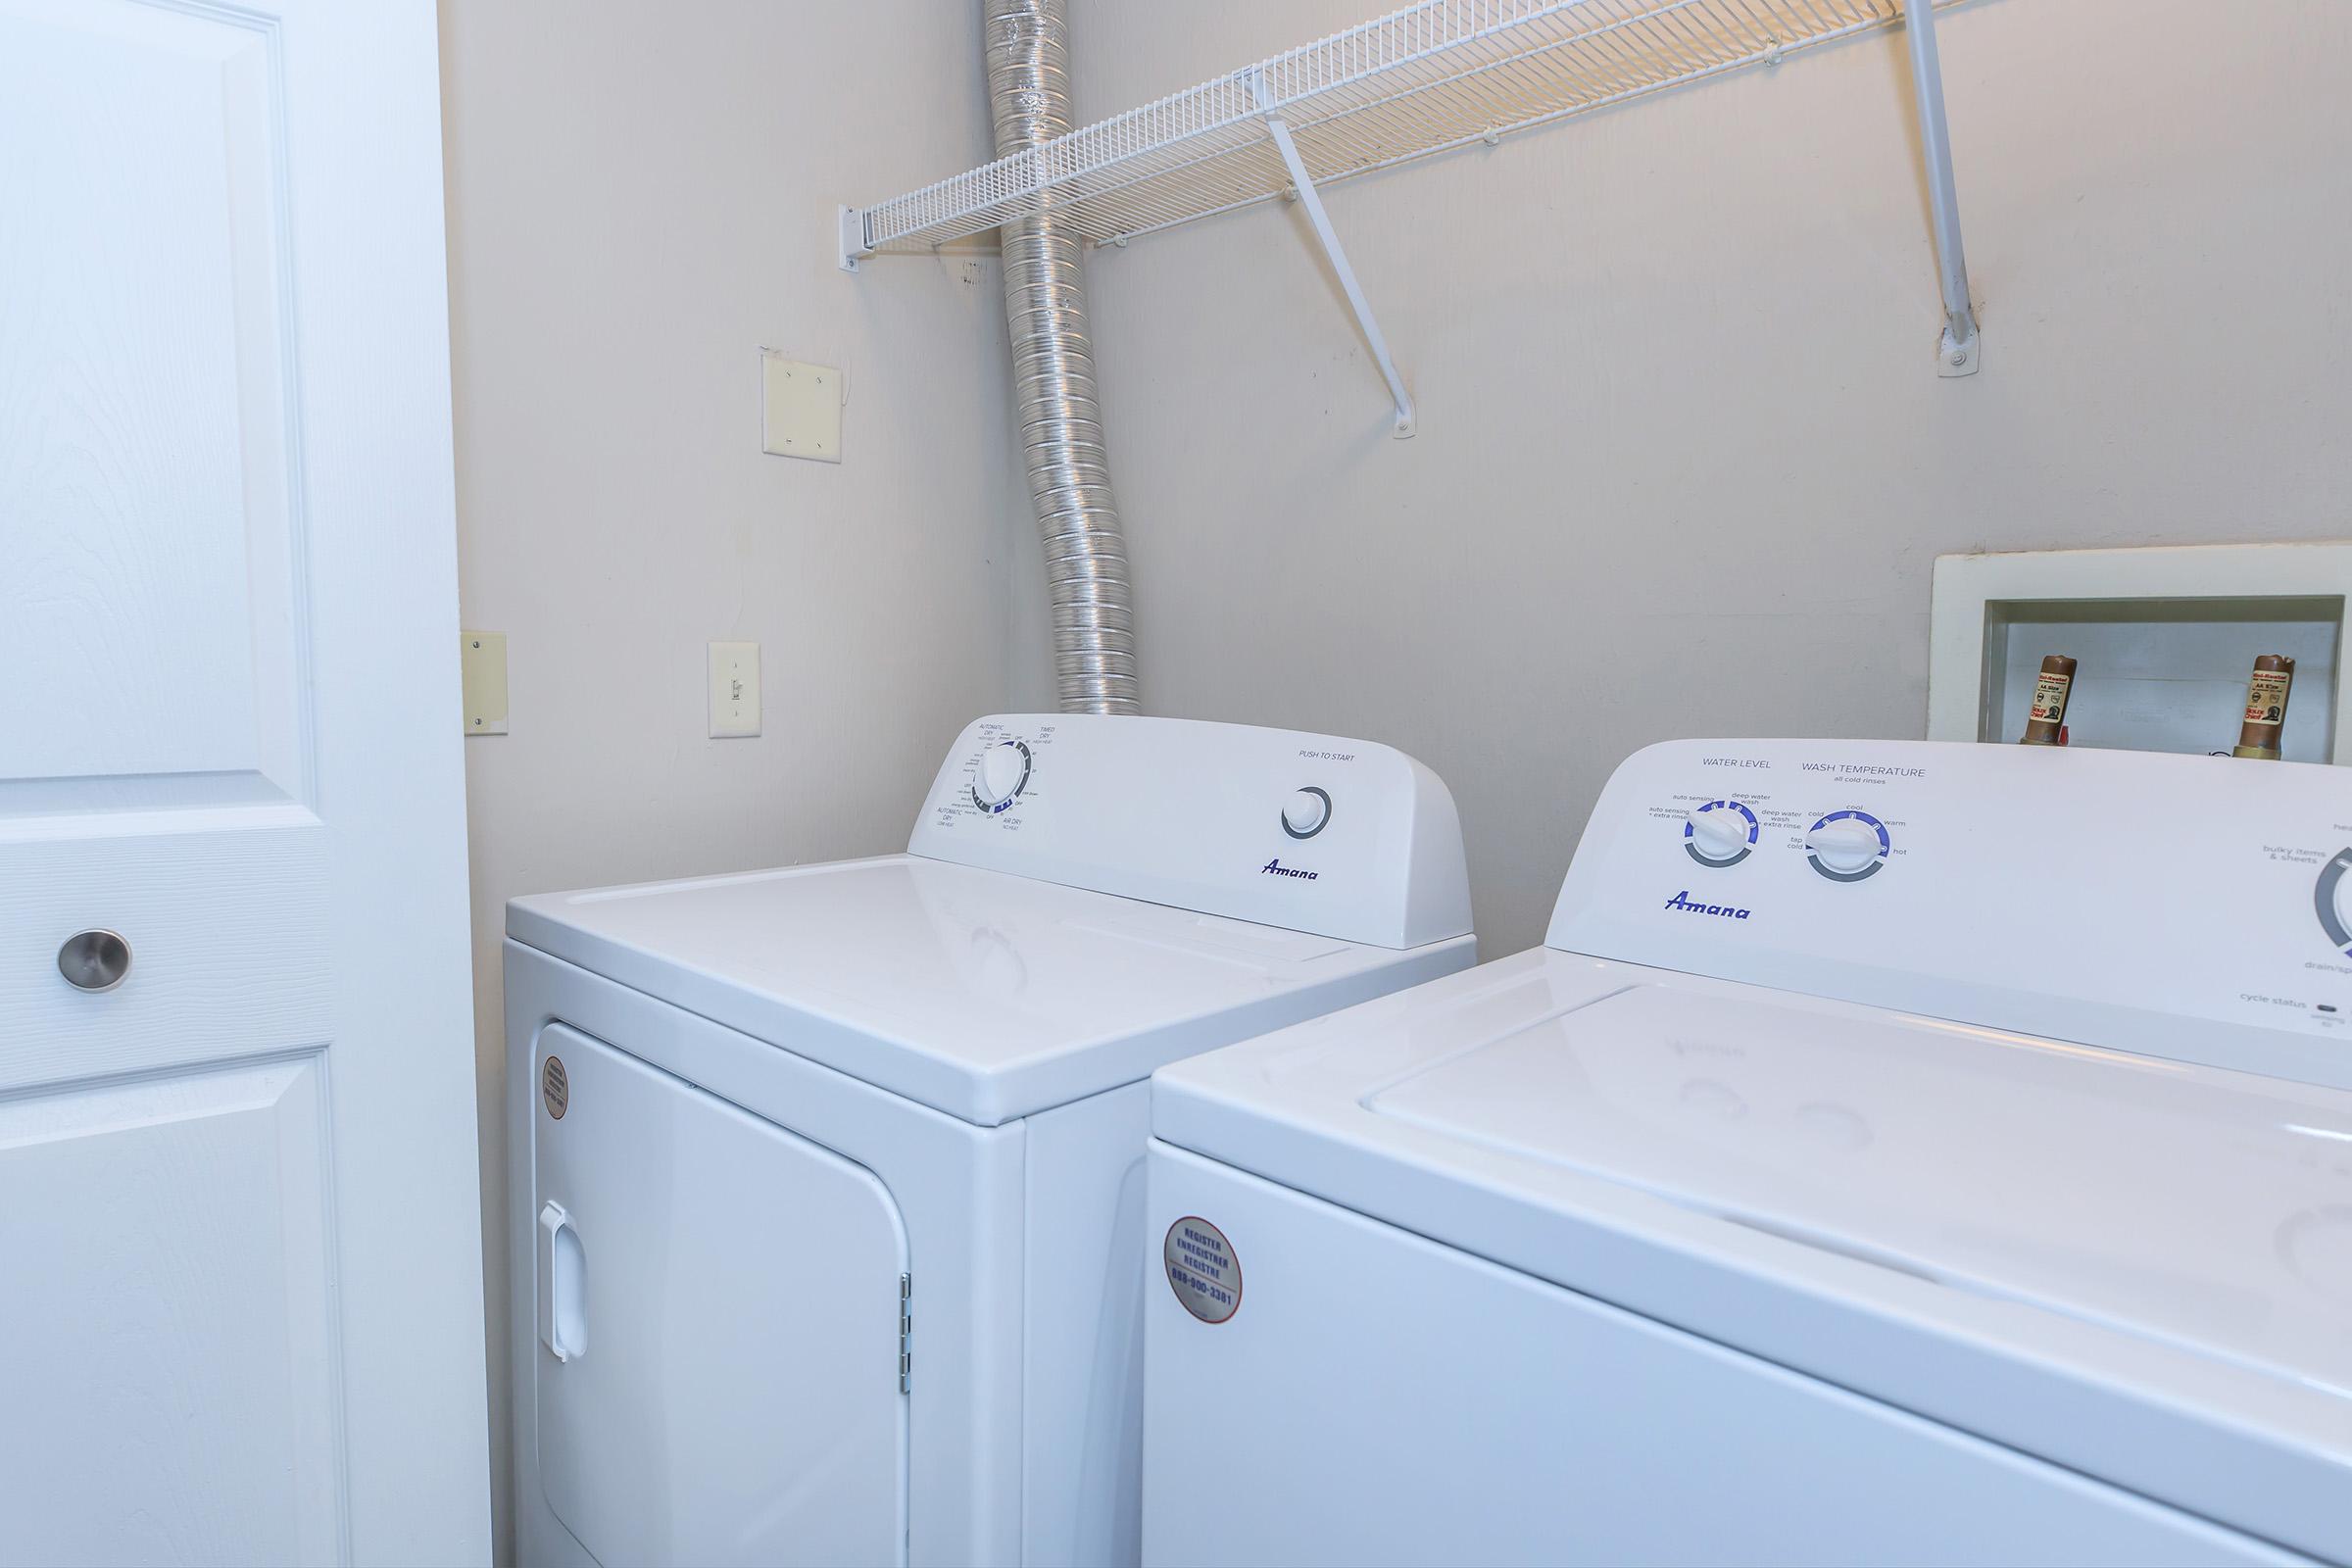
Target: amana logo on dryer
column 1681, row 901
column 1275, row 867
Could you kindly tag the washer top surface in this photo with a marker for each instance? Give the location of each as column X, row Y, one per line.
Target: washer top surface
column 981, row 994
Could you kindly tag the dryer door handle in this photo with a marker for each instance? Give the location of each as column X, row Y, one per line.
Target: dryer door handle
column 563, row 1285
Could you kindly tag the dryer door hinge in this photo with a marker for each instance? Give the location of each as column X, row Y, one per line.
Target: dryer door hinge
column 906, row 1333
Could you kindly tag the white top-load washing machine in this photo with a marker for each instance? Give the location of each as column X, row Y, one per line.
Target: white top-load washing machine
column 827, row 1191
column 1899, row 1152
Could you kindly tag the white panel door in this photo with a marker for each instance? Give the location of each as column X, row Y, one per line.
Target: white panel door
column 239, row 1235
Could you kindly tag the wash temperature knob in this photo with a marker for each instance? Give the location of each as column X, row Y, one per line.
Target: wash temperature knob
column 1846, row 845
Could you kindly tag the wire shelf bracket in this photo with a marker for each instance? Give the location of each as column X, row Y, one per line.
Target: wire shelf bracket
column 1961, row 350
column 1436, row 75
column 1335, row 253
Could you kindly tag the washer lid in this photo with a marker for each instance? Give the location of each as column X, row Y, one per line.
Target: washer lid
column 1947, row 1217
column 2208, row 1209
column 980, row 994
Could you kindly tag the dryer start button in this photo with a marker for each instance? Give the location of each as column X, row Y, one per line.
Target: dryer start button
column 1305, row 812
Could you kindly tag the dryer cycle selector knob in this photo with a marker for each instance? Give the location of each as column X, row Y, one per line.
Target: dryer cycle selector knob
column 1306, row 814
column 1003, row 773
column 1847, row 845
column 1718, row 833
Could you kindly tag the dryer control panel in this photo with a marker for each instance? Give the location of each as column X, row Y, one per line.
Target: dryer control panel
column 2126, row 899
column 1344, row 837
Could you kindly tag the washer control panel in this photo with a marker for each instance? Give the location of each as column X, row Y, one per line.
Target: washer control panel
column 1845, row 844
column 2114, row 897
column 1344, row 837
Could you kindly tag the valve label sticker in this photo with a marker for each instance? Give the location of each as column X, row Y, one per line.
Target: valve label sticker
column 2050, row 697
column 555, row 1087
column 2266, row 696
column 1202, row 1269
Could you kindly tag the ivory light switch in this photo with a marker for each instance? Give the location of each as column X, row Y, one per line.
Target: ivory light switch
column 799, row 409
column 734, row 690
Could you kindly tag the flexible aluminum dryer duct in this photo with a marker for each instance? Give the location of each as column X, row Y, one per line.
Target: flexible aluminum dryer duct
column 1053, row 377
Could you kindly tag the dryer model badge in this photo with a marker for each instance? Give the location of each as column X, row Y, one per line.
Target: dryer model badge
column 555, row 1087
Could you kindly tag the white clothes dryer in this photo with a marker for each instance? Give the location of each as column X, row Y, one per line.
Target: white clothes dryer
column 826, row 1181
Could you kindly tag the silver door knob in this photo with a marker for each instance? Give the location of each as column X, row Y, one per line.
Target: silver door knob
column 94, row 960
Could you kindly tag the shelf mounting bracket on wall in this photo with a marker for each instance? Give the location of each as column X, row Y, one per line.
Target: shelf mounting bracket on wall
column 1961, row 350
column 854, row 247
column 1335, row 253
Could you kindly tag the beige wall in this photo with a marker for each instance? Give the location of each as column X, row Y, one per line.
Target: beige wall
column 639, row 198
column 1684, row 461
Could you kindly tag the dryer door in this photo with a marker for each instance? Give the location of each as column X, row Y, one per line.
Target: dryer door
column 717, row 1326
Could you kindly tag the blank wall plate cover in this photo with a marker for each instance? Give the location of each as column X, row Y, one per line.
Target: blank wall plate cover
column 482, row 661
column 799, row 409
column 734, row 690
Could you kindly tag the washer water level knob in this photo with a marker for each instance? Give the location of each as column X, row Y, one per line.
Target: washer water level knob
column 1718, row 833
column 1305, row 812
column 1003, row 773
column 1847, row 845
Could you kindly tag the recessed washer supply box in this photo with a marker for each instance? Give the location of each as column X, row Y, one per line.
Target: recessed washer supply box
column 2166, row 638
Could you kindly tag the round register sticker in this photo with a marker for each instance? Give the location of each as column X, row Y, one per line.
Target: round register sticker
column 555, row 1087
column 1202, row 1269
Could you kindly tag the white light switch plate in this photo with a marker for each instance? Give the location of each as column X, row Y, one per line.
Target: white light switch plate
column 799, row 409
column 482, row 668
column 734, row 689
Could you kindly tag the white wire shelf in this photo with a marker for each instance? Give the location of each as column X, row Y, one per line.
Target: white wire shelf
column 1435, row 75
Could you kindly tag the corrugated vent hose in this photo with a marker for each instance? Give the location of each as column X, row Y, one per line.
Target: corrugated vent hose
column 1054, row 377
